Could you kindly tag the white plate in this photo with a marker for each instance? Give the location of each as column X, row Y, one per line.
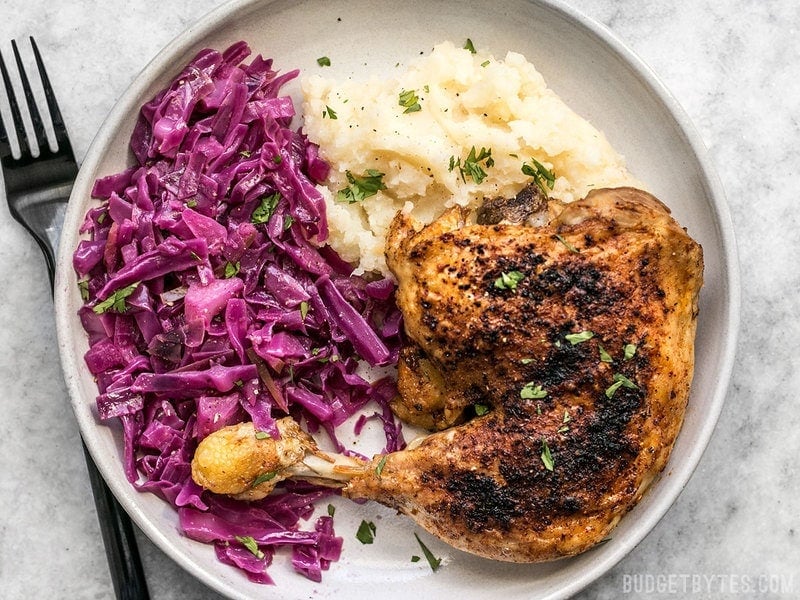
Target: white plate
column 601, row 80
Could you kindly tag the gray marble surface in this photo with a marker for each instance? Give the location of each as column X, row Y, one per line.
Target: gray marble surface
column 734, row 65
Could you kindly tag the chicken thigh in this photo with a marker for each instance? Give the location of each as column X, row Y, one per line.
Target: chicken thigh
column 555, row 361
column 568, row 349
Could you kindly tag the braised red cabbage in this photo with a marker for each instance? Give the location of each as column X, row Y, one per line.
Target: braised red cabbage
column 211, row 299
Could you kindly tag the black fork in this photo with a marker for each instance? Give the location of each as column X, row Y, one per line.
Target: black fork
column 37, row 190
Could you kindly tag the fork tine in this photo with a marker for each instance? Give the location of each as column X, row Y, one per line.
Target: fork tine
column 5, row 145
column 16, row 117
column 36, row 119
column 55, row 113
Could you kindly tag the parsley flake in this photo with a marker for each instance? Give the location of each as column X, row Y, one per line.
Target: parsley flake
column 471, row 167
column 264, row 210
column 410, row 101
column 263, row 478
column 116, row 301
column 83, row 287
column 331, row 510
column 481, row 409
column 381, row 464
column 361, row 186
column 232, row 269
column 542, row 176
column 547, row 457
column 434, row 562
column 577, row 338
column 628, row 351
column 303, row 310
column 531, row 391
column 324, row 61
column 263, row 435
column 366, row 532
column 619, row 381
column 604, row 355
column 250, row 543
column 568, row 246
column 468, row 45
column 508, row 281
column 330, row 113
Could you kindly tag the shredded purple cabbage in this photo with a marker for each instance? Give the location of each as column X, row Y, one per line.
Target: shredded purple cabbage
column 211, row 299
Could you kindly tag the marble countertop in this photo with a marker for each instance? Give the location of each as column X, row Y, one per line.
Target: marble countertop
column 734, row 65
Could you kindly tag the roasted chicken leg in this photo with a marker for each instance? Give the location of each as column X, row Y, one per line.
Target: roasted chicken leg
column 556, row 360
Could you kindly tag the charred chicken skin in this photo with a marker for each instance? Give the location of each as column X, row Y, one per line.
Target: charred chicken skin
column 553, row 362
column 576, row 339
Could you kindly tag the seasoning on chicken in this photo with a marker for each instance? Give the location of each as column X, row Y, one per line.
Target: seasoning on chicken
column 556, row 360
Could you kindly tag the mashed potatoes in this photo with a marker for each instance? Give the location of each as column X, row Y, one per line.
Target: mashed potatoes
column 419, row 128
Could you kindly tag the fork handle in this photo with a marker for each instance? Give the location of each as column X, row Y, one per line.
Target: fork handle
column 122, row 553
column 116, row 528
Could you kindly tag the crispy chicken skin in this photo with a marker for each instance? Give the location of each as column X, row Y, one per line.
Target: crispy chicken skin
column 547, row 439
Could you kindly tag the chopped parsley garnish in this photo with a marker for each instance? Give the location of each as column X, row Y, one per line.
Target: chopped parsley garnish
column 410, row 101
column 331, row 510
column 434, row 562
column 577, row 338
column 366, row 532
column 288, row 220
column 324, row 61
column 468, row 45
column 531, row 391
column 330, row 113
column 116, row 301
column 263, row 478
column 619, row 381
column 231, row 269
column 508, row 281
column 485, row 63
column 263, row 435
column 547, row 457
column 565, row 428
column 628, row 351
column 361, row 186
column 415, row 558
column 264, row 210
column 542, row 176
column 191, row 203
column 303, row 310
column 527, row 361
column 568, row 246
column 481, row 409
column 381, row 464
column 83, row 287
column 604, row 355
column 471, row 166
column 250, row 543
